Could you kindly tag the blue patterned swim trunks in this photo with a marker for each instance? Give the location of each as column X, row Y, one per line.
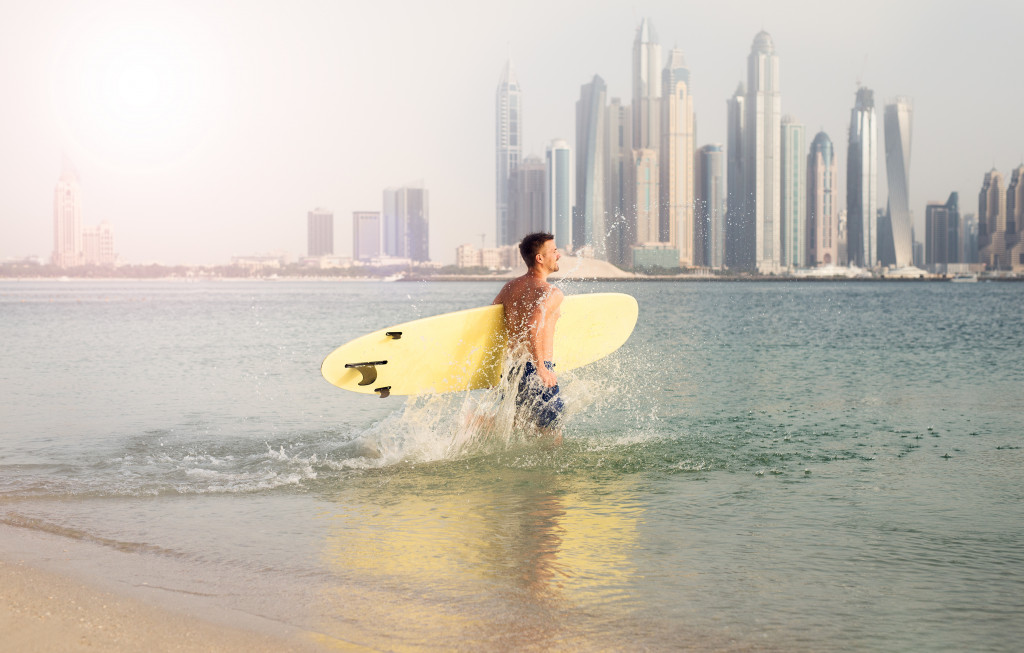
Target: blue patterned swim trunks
column 543, row 403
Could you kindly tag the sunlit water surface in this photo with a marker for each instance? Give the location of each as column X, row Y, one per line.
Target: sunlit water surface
column 764, row 466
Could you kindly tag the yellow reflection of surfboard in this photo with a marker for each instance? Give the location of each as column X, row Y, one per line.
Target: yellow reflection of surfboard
column 463, row 350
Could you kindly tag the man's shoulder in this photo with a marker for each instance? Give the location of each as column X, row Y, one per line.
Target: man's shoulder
column 553, row 294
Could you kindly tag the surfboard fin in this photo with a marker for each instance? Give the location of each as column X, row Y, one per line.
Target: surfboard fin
column 394, row 334
column 368, row 370
column 384, row 392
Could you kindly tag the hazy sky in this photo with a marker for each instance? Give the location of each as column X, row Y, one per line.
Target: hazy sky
column 203, row 130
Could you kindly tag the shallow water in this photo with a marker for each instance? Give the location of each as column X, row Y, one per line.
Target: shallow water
column 764, row 466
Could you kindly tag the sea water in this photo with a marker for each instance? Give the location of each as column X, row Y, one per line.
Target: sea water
column 763, row 466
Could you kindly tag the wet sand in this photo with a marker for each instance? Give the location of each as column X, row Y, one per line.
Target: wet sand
column 47, row 603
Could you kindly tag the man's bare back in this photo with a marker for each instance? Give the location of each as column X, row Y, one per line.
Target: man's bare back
column 532, row 307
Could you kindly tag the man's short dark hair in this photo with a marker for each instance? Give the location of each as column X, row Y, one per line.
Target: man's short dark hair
column 531, row 245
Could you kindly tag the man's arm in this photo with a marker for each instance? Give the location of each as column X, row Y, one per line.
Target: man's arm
column 542, row 334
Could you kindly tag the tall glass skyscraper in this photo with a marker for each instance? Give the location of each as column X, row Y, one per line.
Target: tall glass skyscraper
column 739, row 226
column 942, row 233
column 992, row 225
column 862, row 182
column 822, row 203
column 558, row 193
column 762, row 156
column 793, row 198
column 1015, row 219
column 709, row 214
column 407, row 223
column 646, row 88
column 677, row 159
column 508, row 142
column 898, row 123
column 527, row 205
column 588, row 223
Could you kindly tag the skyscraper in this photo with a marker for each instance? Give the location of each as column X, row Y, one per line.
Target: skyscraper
column 407, row 223
column 822, row 203
column 739, row 224
column 98, row 245
column 366, row 232
column 992, row 222
column 392, row 225
column 646, row 113
column 646, row 88
column 710, row 208
column 862, row 182
column 1015, row 219
column 969, row 238
column 67, row 218
column 762, row 156
column 645, row 174
column 619, row 185
column 588, row 223
column 942, row 229
column 558, row 193
column 320, row 232
column 508, row 140
column 526, row 206
column 898, row 123
column 677, row 159
column 793, row 198
column 415, row 205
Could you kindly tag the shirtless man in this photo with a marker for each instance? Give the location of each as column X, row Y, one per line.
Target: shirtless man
column 532, row 307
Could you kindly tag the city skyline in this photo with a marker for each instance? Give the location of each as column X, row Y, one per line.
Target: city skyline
column 252, row 138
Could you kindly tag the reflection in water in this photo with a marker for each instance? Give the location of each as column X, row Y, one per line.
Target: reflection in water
column 478, row 554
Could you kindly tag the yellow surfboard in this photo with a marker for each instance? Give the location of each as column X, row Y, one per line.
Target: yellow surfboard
column 463, row 350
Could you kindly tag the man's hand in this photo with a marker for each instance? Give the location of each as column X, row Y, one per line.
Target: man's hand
column 547, row 377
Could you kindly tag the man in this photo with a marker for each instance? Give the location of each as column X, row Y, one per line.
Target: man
column 531, row 311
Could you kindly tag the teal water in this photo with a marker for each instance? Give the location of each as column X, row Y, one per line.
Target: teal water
column 764, row 466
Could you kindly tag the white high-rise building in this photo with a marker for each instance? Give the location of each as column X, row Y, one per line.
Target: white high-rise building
column 762, row 156
column 558, row 193
column 794, row 195
column 67, row 218
column 366, row 242
column 508, row 143
column 898, row 124
column 98, row 245
column 588, row 222
column 862, row 182
column 677, row 159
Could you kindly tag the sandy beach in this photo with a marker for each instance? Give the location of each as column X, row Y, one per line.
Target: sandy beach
column 49, row 603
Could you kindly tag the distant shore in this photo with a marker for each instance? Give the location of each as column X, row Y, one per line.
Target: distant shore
column 502, row 278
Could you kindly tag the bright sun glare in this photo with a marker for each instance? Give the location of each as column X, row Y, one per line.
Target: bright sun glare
column 133, row 94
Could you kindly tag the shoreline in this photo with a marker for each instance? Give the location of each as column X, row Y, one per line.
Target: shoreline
column 503, row 278
column 54, row 596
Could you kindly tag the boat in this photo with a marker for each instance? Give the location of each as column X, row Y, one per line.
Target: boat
column 965, row 277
